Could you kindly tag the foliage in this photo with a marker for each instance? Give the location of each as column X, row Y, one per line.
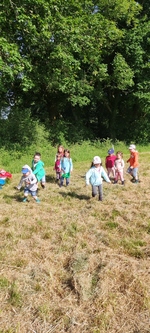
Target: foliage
column 81, row 67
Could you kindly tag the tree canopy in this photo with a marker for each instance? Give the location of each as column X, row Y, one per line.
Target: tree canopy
column 78, row 67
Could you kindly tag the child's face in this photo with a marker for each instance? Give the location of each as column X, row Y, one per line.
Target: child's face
column 60, row 149
column 36, row 158
column 66, row 154
column 118, row 156
column 97, row 165
column 58, row 157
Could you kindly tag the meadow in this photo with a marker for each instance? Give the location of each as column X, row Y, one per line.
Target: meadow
column 71, row 263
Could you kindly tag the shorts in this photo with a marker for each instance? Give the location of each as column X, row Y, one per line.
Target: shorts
column 27, row 191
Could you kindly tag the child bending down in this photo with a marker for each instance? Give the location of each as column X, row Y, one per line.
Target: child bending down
column 94, row 176
column 30, row 181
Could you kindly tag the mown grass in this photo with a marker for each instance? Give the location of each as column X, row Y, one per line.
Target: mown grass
column 72, row 263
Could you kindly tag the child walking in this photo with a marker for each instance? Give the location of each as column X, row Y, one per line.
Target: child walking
column 119, row 168
column 66, row 167
column 133, row 160
column 38, row 169
column 30, row 181
column 109, row 163
column 57, row 167
column 94, row 176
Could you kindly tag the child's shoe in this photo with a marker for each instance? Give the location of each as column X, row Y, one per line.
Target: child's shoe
column 115, row 181
column 136, row 181
column 37, row 200
column 122, row 182
column 24, row 200
column 43, row 186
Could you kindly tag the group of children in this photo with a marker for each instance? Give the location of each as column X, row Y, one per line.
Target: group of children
column 35, row 174
column 63, row 167
column 115, row 167
column 31, row 177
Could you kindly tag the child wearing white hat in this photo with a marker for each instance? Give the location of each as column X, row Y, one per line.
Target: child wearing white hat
column 94, row 176
column 133, row 160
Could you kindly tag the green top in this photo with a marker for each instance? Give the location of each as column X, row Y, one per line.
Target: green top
column 38, row 169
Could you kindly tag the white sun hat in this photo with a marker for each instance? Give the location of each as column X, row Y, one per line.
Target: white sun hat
column 132, row 147
column 96, row 160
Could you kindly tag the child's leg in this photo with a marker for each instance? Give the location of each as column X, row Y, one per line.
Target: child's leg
column 121, row 175
column 43, row 181
column 113, row 172
column 116, row 177
column 34, row 195
column 100, row 190
column 61, row 181
column 94, row 191
column 135, row 173
column 26, row 192
column 67, row 181
column 108, row 172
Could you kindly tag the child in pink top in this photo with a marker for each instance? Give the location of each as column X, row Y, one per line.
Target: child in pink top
column 119, row 167
column 57, row 167
column 109, row 163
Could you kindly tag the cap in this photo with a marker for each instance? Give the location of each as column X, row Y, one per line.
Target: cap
column 132, row 147
column 110, row 151
column 96, row 160
column 25, row 170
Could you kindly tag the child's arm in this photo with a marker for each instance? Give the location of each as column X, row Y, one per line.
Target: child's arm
column 20, row 183
column 87, row 176
column 104, row 175
column 71, row 165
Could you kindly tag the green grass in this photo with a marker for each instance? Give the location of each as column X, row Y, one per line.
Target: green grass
column 74, row 264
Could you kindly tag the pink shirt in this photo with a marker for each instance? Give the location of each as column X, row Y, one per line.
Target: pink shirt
column 110, row 161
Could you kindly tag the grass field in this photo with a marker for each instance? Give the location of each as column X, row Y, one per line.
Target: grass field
column 74, row 264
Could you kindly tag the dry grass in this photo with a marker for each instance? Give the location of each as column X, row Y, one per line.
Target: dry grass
column 73, row 264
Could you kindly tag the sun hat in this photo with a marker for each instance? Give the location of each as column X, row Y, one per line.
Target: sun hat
column 132, row 147
column 96, row 160
column 25, row 170
column 111, row 151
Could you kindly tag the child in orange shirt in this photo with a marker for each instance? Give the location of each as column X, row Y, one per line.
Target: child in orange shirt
column 133, row 160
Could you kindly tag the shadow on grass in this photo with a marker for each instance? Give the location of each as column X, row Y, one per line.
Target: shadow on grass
column 16, row 197
column 75, row 195
column 50, row 179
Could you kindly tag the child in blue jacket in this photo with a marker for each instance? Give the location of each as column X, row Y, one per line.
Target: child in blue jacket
column 94, row 177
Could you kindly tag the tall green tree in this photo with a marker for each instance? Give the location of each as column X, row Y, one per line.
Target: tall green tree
column 81, row 64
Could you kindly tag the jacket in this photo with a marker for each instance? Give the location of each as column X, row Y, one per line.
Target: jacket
column 32, row 186
column 38, row 169
column 133, row 160
column 66, row 165
column 95, row 176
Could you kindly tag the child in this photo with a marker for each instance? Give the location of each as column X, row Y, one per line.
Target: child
column 94, row 177
column 133, row 160
column 119, row 166
column 38, row 169
column 57, row 166
column 60, row 150
column 30, row 183
column 109, row 163
column 66, row 167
